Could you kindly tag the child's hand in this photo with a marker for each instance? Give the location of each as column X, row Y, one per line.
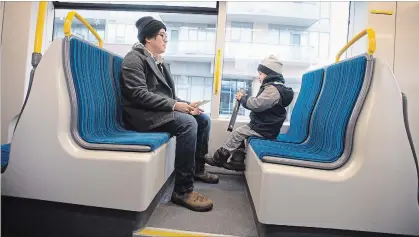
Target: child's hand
column 239, row 95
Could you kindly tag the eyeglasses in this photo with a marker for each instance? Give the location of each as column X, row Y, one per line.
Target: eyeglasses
column 163, row 35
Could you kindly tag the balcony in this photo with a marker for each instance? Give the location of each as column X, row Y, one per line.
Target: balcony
column 303, row 14
column 289, row 53
column 205, row 50
column 252, row 45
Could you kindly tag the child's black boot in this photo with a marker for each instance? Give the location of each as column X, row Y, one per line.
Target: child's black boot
column 220, row 157
column 237, row 161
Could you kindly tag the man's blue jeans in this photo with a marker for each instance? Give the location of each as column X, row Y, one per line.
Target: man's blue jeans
column 192, row 135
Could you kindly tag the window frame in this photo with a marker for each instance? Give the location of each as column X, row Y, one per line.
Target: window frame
column 136, row 7
column 241, row 26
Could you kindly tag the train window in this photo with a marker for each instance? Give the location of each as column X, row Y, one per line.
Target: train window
column 299, row 33
column 190, row 51
column 304, row 35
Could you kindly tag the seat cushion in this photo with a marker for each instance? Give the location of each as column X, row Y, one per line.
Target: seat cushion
column 95, row 110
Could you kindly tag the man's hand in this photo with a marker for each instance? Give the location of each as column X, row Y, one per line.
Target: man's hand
column 183, row 107
column 197, row 110
column 239, row 95
column 194, row 104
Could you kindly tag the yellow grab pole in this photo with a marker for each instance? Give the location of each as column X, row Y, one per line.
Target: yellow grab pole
column 217, row 71
column 371, row 42
column 40, row 27
column 69, row 20
column 36, row 54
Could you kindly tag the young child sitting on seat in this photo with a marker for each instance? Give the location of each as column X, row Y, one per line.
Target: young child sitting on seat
column 266, row 119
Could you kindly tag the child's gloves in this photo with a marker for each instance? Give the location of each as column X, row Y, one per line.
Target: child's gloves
column 239, row 95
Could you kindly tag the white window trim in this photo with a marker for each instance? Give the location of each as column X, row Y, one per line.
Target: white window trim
column 219, row 44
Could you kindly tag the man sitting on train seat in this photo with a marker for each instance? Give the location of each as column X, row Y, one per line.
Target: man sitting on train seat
column 266, row 119
column 150, row 105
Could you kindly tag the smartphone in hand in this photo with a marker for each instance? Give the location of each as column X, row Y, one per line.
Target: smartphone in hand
column 203, row 103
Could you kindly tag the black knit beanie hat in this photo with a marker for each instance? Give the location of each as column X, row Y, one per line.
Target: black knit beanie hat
column 148, row 27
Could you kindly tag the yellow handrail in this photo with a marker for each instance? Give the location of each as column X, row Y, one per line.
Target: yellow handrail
column 69, row 20
column 371, row 42
column 217, row 72
column 382, row 12
column 42, row 9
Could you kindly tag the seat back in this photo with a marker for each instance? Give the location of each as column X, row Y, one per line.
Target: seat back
column 300, row 118
column 330, row 128
column 116, row 68
column 96, row 99
column 329, row 144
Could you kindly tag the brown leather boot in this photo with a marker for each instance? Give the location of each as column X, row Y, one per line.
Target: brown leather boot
column 193, row 201
column 206, row 177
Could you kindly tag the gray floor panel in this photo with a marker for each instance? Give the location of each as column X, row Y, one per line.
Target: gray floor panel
column 231, row 215
column 218, row 170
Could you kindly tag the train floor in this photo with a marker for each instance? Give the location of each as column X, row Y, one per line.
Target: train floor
column 231, row 215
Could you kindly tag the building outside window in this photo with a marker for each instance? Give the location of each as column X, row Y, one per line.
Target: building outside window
column 299, row 33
